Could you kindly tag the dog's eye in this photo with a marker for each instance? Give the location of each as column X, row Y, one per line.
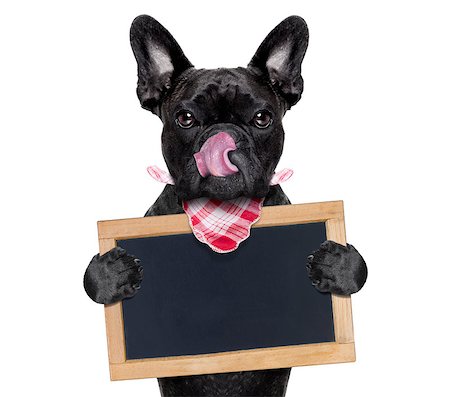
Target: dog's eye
column 262, row 119
column 185, row 119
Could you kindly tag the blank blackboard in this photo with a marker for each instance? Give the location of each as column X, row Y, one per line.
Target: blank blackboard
column 201, row 312
column 196, row 301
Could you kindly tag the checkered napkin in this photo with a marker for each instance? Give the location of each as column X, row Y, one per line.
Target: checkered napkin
column 222, row 225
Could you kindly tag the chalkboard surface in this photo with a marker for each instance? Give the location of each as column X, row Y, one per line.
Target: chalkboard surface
column 195, row 301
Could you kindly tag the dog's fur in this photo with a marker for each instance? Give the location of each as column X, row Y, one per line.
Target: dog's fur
column 221, row 100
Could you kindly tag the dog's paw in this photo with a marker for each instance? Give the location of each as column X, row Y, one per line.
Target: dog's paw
column 337, row 269
column 113, row 276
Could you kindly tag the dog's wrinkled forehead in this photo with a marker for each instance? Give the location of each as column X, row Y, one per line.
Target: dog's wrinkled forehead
column 221, row 94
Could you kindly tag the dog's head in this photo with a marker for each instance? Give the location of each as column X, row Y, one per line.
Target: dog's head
column 244, row 105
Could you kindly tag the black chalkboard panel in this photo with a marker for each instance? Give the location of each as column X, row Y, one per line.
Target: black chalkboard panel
column 195, row 301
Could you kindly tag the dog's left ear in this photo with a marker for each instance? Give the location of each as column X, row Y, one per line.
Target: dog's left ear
column 160, row 60
column 279, row 58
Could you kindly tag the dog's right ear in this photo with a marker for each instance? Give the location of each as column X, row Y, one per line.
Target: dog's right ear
column 160, row 60
column 279, row 58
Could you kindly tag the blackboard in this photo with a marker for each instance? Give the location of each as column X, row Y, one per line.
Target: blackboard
column 202, row 312
column 196, row 301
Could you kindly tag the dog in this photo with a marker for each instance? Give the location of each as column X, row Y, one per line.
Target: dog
column 194, row 105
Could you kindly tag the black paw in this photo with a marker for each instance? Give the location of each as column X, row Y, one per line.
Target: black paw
column 113, row 276
column 337, row 269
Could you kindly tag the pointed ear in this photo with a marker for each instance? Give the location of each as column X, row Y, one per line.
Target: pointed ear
column 159, row 58
column 279, row 58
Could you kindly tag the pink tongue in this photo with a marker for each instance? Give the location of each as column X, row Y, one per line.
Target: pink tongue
column 212, row 159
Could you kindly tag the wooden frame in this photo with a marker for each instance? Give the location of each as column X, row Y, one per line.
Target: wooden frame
column 342, row 350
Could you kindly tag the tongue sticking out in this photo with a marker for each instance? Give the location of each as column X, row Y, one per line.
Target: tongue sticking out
column 212, row 159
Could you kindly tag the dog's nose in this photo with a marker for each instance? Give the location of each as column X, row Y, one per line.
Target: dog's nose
column 212, row 159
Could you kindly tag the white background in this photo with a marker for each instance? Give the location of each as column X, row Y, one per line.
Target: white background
column 372, row 129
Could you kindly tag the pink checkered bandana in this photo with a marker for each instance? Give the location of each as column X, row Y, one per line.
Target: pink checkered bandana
column 222, row 225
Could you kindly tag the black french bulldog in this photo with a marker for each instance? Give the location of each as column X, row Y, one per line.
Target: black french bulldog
column 195, row 104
